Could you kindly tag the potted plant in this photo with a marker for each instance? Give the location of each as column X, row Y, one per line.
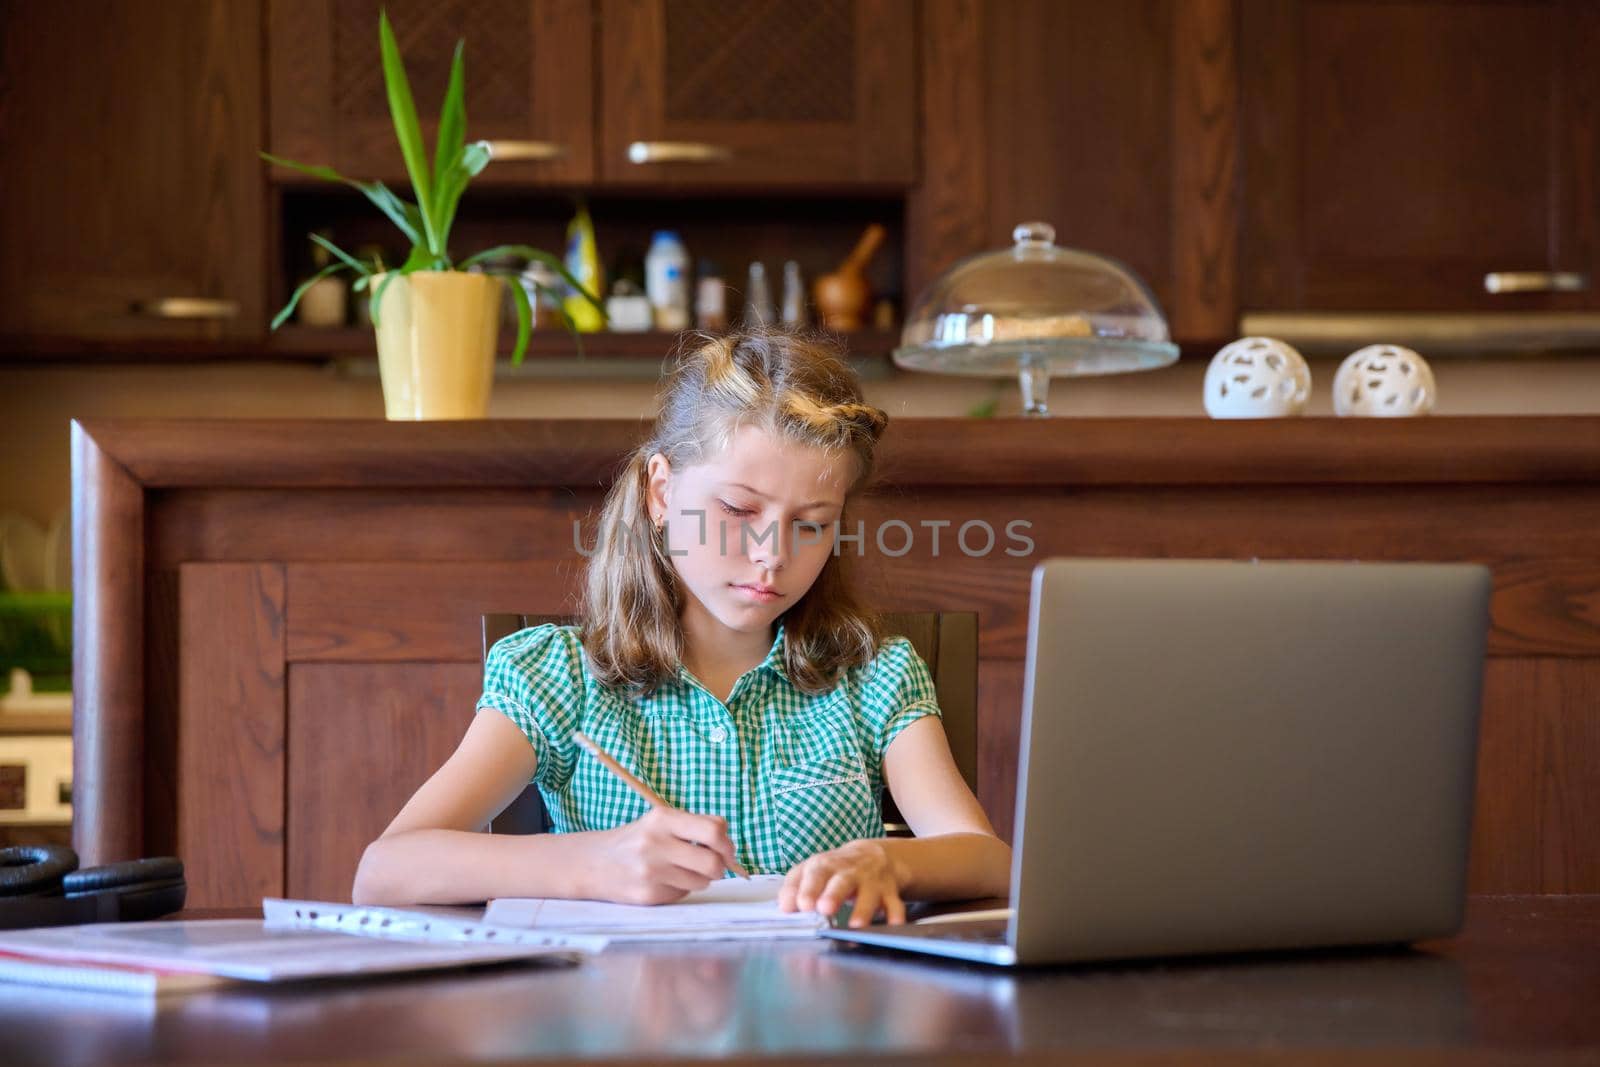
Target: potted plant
column 437, row 323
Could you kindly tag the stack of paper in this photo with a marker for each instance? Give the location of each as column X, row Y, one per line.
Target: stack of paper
column 103, row 977
column 151, row 957
column 730, row 909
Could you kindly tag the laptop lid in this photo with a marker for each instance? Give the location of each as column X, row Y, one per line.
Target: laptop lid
column 1223, row 756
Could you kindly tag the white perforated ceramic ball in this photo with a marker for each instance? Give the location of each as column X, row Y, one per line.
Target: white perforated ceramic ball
column 1257, row 378
column 1384, row 381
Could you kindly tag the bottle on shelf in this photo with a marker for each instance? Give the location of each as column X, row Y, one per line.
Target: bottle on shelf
column 710, row 299
column 758, row 309
column 627, row 307
column 543, row 286
column 583, row 263
column 666, row 281
column 794, row 296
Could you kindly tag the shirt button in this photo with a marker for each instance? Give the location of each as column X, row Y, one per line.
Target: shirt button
column 718, row 735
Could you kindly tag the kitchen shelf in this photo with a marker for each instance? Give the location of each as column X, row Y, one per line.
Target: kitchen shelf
column 305, row 344
column 14, row 723
column 549, row 344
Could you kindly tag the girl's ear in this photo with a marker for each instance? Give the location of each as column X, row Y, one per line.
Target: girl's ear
column 658, row 476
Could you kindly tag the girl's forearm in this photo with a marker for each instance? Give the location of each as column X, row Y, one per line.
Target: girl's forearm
column 951, row 866
column 462, row 867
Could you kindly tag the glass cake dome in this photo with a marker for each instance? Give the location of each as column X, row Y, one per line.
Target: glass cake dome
column 1035, row 310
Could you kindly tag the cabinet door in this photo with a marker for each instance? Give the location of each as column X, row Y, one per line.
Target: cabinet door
column 133, row 196
column 528, row 84
column 1394, row 155
column 776, row 92
column 1114, row 123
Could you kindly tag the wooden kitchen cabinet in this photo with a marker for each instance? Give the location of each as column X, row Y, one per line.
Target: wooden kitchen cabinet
column 1239, row 155
column 1393, row 155
column 529, row 78
column 1115, row 123
column 134, row 203
column 769, row 93
column 763, row 92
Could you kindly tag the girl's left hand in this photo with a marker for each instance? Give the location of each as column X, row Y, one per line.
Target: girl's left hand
column 862, row 870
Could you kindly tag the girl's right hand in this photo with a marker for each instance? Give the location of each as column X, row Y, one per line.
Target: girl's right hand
column 661, row 857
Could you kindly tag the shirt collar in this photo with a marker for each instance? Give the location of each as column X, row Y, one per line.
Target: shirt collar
column 773, row 662
column 775, row 656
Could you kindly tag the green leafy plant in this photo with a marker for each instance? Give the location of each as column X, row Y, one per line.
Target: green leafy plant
column 437, row 190
column 985, row 409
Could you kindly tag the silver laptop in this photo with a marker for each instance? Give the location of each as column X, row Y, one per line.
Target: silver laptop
column 1229, row 757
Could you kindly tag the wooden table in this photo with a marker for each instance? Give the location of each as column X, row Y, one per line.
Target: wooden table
column 1522, row 983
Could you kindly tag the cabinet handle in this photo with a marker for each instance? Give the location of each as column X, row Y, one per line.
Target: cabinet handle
column 1535, row 281
column 187, row 307
column 677, row 152
column 525, row 151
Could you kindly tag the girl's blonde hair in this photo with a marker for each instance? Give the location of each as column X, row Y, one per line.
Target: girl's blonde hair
column 798, row 388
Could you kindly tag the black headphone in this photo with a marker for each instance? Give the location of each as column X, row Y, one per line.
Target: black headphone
column 41, row 885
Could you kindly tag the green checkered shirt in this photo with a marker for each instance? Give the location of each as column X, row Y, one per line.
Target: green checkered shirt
column 792, row 774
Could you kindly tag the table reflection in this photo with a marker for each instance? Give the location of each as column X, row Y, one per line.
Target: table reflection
column 718, row 999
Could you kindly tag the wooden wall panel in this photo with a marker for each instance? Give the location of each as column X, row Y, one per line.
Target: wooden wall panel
column 1541, row 607
column 999, row 731
column 230, row 732
column 1203, row 301
column 947, row 211
column 1119, row 124
column 1271, row 235
column 1550, row 604
column 1538, row 798
column 1072, row 139
column 390, row 726
column 162, row 689
column 1495, row 520
column 483, row 524
column 368, row 612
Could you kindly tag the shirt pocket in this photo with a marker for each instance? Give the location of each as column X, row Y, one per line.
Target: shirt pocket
column 822, row 804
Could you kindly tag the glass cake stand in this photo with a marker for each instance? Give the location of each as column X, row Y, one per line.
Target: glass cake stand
column 1034, row 311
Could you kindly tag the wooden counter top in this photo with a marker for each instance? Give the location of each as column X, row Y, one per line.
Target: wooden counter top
column 354, row 453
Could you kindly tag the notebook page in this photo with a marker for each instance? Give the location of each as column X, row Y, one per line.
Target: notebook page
column 731, row 907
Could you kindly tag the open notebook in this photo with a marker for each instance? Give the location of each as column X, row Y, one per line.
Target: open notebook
column 728, row 909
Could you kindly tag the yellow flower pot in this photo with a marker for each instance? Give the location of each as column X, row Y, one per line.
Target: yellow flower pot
column 437, row 332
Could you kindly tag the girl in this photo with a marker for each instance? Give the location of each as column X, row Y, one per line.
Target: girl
column 722, row 659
